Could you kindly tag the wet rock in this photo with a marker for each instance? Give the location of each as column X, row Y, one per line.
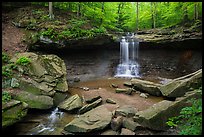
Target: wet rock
column 34, row 101
column 72, row 103
column 88, row 107
column 178, row 87
column 126, row 111
column 93, row 120
column 111, row 101
column 12, row 112
column 156, row 116
column 147, row 86
column 116, row 123
column 125, row 131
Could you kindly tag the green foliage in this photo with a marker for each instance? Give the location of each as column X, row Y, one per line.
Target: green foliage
column 24, row 61
column 6, row 71
column 121, row 16
column 190, row 119
column 6, row 96
column 7, row 66
column 5, row 57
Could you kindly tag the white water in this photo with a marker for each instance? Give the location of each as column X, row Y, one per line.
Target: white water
column 128, row 66
column 49, row 126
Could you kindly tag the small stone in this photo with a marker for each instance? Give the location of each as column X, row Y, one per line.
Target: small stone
column 114, row 85
column 143, row 95
column 116, row 123
column 76, row 79
column 109, row 100
column 85, row 88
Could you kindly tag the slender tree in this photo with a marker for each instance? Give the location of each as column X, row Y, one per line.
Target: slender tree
column 137, row 20
column 51, row 15
column 102, row 10
column 153, row 15
column 195, row 11
column 185, row 13
column 78, row 9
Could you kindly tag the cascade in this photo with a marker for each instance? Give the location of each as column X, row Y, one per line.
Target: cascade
column 128, row 66
column 55, row 116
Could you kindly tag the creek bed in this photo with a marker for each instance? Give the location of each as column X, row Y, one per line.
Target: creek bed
column 95, row 69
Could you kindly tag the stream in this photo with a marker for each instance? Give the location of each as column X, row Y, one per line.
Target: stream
column 96, row 69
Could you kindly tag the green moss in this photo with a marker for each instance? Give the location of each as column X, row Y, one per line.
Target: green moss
column 24, row 61
column 13, row 114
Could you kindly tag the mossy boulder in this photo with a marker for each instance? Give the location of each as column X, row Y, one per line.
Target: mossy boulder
column 12, row 112
column 44, row 75
column 72, row 103
column 94, row 120
column 34, row 101
column 156, row 116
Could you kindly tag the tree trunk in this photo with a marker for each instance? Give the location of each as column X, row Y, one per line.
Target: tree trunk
column 119, row 9
column 195, row 11
column 185, row 15
column 79, row 9
column 152, row 15
column 102, row 10
column 154, row 5
column 137, row 20
column 51, row 15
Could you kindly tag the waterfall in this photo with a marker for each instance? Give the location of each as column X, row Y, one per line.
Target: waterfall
column 128, row 66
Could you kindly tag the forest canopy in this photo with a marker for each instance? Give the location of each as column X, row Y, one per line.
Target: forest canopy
column 131, row 16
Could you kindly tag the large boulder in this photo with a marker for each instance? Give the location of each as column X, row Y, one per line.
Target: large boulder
column 34, row 101
column 178, row 87
column 12, row 112
column 146, row 86
column 156, row 116
column 72, row 103
column 45, row 74
column 42, row 78
column 126, row 111
column 93, row 120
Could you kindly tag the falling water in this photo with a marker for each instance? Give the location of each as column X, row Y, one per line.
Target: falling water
column 50, row 125
column 128, row 66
